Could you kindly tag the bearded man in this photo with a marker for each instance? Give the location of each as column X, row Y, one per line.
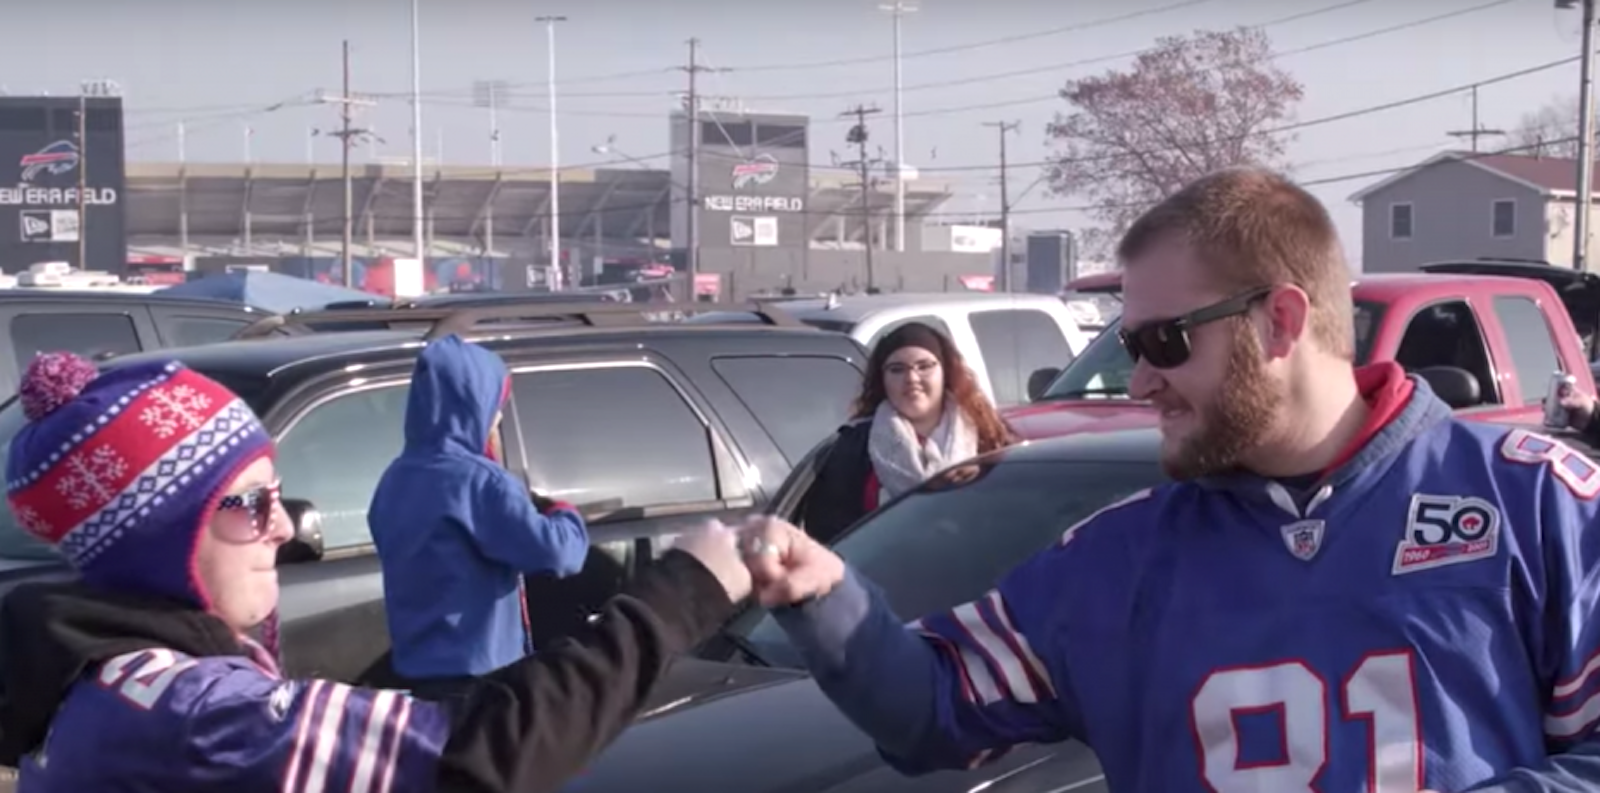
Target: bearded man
column 1345, row 589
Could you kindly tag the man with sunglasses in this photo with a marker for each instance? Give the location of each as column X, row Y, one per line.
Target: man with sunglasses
column 1346, row 589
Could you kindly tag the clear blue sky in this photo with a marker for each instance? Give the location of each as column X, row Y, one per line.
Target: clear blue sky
column 219, row 63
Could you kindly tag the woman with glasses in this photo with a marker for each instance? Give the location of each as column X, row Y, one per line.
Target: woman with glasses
column 159, row 487
column 920, row 410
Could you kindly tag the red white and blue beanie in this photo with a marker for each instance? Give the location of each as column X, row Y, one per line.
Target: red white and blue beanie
column 119, row 471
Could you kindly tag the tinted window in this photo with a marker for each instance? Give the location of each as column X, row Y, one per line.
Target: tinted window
column 620, row 432
column 948, row 543
column 1015, row 344
column 1505, row 218
column 1533, row 350
column 195, row 331
column 14, row 543
column 1447, row 334
column 798, row 400
column 89, row 335
column 335, row 453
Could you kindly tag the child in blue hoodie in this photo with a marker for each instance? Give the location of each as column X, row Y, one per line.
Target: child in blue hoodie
column 455, row 531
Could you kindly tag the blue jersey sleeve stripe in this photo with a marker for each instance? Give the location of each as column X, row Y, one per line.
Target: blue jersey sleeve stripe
column 1574, row 724
column 395, row 746
column 948, row 648
column 1566, row 688
column 982, row 644
column 310, row 699
column 324, row 739
column 999, row 614
column 371, row 761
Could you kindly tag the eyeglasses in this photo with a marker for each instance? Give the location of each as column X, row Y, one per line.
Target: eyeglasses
column 901, row 369
column 258, row 503
column 1165, row 342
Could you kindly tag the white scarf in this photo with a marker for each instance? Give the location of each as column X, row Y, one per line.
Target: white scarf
column 901, row 462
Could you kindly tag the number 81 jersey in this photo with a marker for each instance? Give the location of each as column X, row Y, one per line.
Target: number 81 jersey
column 1425, row 622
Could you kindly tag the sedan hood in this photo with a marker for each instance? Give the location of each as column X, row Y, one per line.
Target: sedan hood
column 777, row 735
column 1057, row 419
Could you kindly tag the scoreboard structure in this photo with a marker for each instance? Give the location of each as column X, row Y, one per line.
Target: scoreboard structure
column 43, row 162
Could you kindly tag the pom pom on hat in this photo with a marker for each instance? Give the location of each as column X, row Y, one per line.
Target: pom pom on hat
column 53, row 379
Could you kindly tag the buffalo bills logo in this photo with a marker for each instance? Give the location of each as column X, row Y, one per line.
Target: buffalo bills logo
column 56, row 159
column 757, row 171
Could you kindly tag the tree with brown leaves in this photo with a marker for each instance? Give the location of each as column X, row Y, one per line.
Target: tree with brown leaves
column 1186, row 107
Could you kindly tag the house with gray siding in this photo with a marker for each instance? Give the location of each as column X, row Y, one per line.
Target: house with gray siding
column 1460, row 205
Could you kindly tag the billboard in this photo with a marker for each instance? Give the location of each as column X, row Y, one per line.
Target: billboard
column 41, row 163
column 754, row 174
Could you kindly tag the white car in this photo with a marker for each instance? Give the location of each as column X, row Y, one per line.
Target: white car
column 1006, row 338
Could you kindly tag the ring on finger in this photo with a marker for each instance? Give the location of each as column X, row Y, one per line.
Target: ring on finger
column 760, row 547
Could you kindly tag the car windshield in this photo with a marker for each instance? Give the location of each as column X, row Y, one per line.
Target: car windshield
column 952, row 540
column 1102, row 371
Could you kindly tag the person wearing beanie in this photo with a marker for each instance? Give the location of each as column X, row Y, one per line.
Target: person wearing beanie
column 456, row 532
column 158, row 486
column 920, row 411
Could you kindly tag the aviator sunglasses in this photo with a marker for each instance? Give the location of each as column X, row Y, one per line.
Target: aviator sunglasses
column 1165, row 342
column 257, row 503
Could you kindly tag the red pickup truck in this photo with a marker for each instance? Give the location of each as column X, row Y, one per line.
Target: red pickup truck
column 1487, row 335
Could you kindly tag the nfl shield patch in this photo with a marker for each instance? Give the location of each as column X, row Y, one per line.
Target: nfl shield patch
column 1303, row 538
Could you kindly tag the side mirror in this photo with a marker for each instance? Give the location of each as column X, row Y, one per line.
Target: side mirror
column 1040, row 381
column 306, row 544
column 1457, row 387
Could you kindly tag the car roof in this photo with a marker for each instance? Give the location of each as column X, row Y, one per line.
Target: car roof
column 855, row 308
column 1141, row 445
column 266, row 356
column 93, row 296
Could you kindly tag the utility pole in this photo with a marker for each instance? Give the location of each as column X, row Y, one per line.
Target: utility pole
column 899, row 9
column 1005, row 205
column 1585, row 165
column 1478, row 130
column 83, row 179
column 858, row 135
column 692, row 199
column 347, row 136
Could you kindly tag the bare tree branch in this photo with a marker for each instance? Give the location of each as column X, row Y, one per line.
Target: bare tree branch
column 1557, row 121
column 1190, row 106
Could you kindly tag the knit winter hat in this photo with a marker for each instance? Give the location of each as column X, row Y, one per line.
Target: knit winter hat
column 119, row 471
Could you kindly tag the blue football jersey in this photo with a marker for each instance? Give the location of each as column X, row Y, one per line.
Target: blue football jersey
column 158, row 720
column 1423, row 620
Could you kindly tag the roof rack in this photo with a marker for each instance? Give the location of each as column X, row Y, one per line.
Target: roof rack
column 445, row 321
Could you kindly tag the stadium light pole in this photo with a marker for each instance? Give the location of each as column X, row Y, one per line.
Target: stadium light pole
column 416, row 132
column 899, row 9
column 557, row 277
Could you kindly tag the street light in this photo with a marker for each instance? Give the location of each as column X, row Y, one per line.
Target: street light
column 1580, row 239
column 898, row 9
column 555, row 156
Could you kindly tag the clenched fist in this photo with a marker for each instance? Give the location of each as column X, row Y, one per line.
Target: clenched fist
column 786, row 565
column 715, row 546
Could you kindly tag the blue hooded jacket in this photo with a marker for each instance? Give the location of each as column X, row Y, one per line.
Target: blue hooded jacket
column 455, row 530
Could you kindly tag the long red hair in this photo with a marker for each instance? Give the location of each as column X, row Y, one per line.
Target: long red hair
column 960, row 383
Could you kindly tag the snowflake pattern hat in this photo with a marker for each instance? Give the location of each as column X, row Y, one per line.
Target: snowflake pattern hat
column 119, row 471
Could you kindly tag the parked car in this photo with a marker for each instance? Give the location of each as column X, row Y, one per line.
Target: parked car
column 1005, row 338
column 1488, row 335
column 719, row 724
column 101, row 324
column 650, row 427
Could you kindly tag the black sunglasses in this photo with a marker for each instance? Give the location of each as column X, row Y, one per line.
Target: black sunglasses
column 1165, row 342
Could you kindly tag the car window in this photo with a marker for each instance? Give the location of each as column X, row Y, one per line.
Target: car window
column 14, row 542
column 615, row 432
column 93, row 336
column 334, row 454
column 798, row 400
column 1533, row 347
column 949, row 542
column 1016, row 343
column 1447, row 334
column 1103, row 370
column 195, row 331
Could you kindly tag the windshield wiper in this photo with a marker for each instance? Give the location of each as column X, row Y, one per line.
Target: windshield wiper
column 744, row 647
column 1085, row 392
